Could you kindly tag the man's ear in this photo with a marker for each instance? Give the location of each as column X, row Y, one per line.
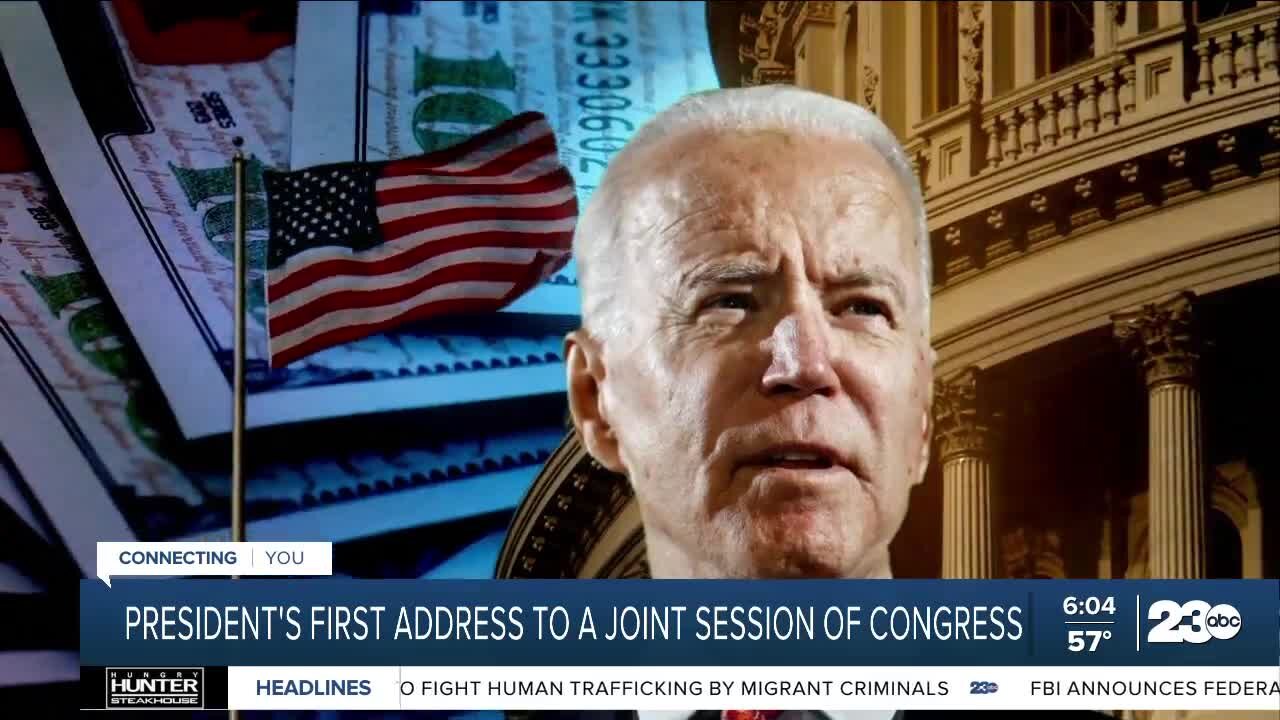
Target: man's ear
column 926, row 425
column 585, row 370
column 926, row 444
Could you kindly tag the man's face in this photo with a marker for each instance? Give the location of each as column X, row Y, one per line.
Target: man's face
column 770, row 393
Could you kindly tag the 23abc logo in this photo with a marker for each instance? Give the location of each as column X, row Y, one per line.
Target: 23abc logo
column 981, row 687
column 1192, row 622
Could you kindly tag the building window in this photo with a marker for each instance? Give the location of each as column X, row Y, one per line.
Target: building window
column 1206, row 10
column 1065, row 32
column 941, row 56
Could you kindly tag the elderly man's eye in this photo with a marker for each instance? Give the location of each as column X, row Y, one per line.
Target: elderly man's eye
column 866, row 306
column 732, row 301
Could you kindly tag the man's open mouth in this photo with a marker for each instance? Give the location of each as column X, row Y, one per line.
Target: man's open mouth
column 796, row 457
column 800, row 460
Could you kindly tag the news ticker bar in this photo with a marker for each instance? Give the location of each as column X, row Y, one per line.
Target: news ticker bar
column 993, row 623
column 681, row 688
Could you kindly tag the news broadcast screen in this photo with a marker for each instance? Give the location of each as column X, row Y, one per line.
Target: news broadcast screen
column 610, row 360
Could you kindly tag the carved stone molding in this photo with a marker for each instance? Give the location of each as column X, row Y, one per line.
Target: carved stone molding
column 870, row 81
column 629, row 560
column 823, row 11
column 1130, row 187
column 1163, row 337
column 961, row 420
column 1115, row 11
column 568, row 511
column 767, row 41
column 971, row 28
column 772, row 74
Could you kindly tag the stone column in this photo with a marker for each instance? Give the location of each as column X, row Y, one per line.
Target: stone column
column 1163, row 339
column 1108, row 19
column 816, row 47
column 914, row 88
column 964, row 439
column 1025, row 41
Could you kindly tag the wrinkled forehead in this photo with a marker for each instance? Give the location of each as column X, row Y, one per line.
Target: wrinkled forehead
column 704, row 182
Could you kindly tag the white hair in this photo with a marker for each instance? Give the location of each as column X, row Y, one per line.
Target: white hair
column 763, row 108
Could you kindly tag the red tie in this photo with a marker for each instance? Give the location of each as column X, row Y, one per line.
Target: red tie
column 750, row 714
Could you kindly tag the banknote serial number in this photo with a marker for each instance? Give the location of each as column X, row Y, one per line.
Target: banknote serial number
column 209, row 108
column 43, row 217
column 602, row 61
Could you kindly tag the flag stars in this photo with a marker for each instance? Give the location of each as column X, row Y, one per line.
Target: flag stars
column 319, row 207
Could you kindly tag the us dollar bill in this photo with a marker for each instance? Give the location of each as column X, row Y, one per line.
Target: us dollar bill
column 377, row 81
column 93, row 442
column 141, row 155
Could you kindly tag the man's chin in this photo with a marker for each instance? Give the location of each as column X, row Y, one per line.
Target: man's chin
column 801, row 555
column 796, row 565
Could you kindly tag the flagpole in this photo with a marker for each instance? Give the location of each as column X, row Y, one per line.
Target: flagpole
column 238, row 354
column 237, row 391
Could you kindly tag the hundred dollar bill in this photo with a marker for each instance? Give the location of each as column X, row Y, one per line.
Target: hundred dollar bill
column 141, row 155
column 406, row 77
column 92, row 439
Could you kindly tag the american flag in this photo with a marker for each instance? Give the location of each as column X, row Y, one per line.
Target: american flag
column 358, row 248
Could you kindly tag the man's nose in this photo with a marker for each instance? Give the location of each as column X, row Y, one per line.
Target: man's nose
column 800, row 362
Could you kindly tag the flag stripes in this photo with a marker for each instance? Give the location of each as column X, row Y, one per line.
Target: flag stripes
column 352, row 325
column 382, row 290
column 321, row 263
column 409, row 208
column 466, row 229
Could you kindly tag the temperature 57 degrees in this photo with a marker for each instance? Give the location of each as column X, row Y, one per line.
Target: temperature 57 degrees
column 1086, row 640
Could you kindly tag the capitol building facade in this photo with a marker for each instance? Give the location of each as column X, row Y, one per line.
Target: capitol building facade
column 1102, row 182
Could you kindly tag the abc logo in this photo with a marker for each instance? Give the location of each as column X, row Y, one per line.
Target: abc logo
column 1192, row 622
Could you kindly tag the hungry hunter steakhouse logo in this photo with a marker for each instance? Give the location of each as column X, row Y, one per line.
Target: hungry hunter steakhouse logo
column 142, row 687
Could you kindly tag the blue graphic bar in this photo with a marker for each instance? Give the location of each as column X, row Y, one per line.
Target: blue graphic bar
column 681, row 622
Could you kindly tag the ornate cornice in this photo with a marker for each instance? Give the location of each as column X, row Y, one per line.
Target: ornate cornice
column 765, row 51
column 561, row 520
column 1130, row 187
column 962, row 421
column 1163, row 337
column 820, row 11
column 629, row 560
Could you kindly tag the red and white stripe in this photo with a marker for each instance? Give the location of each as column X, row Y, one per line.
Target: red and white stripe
column 465, row 230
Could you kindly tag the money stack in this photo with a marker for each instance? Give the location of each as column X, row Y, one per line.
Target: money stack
column 407, row 449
